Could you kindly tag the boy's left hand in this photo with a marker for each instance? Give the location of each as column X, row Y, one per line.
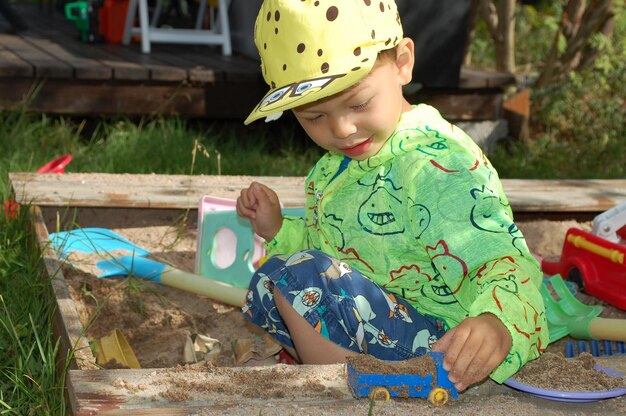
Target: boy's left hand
column 473, row 349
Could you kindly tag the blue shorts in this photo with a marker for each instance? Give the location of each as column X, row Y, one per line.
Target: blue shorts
column 341, row 304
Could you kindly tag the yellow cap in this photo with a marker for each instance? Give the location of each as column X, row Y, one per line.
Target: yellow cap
column 312, row 49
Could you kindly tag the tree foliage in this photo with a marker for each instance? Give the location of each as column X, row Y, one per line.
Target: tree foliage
column 572, row 48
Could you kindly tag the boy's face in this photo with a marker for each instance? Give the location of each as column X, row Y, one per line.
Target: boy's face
column 358, row 121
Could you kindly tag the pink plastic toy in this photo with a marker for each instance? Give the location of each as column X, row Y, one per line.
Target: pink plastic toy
column 228, row 250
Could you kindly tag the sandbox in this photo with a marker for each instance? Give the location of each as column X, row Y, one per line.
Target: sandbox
column 158, row 213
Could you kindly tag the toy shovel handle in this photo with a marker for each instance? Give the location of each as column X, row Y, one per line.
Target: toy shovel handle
column 219, row 291
column 162, row 273
column 599, row 328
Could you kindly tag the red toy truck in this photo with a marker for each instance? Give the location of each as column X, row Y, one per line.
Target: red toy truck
column 597, row 265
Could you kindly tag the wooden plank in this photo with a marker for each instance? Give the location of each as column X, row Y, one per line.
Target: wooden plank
column 46, row 66
column 483, row 104
column 62, row 31
column 145, row 191
column 473, row 78
column 75, row 98
column 195, row 72
column 235, row 68
column 158, row 70
column 84, row 68
column 182, row 192
column 285, row 390
column 12, row 65
column 125, row 61
column 516, row 111
column 209, row 390
column 67, row 326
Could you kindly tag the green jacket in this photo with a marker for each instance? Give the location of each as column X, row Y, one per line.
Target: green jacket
column 427, row 219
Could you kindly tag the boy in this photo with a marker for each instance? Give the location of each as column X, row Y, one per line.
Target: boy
column 408, row 243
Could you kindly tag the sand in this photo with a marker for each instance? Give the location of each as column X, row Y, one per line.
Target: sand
column 158, row 321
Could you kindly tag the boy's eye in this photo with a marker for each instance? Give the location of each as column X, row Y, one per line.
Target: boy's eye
column 361, row 106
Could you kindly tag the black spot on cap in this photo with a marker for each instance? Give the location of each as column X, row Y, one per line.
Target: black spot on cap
column 332, row 13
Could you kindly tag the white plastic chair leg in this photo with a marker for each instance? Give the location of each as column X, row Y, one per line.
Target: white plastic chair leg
column 156, row 14
column 227, row 49
column 201, row 13
column 144, row 25
column 130, row 18
column 219, row 32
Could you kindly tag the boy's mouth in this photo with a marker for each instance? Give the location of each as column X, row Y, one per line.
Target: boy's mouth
column 358, row 149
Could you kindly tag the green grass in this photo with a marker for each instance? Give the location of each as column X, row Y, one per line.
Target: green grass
column 160, row 145
column 29, row 381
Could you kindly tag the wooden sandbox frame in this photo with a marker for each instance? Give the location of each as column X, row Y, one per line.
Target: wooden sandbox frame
column 90, row 390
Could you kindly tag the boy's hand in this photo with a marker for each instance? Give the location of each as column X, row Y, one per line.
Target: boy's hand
column 261, row 206
column 474, row 349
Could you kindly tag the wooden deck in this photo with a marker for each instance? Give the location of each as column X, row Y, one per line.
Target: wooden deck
column 63, row 75
column 82, row 78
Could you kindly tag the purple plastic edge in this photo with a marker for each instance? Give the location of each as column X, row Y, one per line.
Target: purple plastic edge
column 574, row 396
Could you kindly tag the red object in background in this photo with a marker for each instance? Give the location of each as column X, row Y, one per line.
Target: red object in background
column 285, row 358
column 56, row 166
column 12, row 208
column 112, row 20
column 595, row 264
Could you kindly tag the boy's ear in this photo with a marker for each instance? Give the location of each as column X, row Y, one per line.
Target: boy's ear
column 405, row 59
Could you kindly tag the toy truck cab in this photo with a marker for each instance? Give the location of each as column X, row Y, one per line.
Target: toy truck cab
column 597, row 265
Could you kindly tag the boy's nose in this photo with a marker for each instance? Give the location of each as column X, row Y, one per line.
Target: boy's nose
column 343, row 127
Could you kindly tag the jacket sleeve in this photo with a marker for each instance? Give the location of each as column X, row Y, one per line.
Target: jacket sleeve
column 477, row 249
column 510, row 291
column 290, row 238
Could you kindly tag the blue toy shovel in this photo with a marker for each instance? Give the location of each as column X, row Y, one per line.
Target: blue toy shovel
column 92, row 240
column 155, row 271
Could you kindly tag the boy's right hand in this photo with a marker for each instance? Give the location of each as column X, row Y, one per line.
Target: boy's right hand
column 260, row 204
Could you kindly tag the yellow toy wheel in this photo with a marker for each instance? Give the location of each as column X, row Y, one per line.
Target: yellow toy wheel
column 438, row 396
column 376, row 391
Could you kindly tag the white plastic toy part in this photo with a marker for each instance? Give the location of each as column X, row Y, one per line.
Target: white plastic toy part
column 607, row 224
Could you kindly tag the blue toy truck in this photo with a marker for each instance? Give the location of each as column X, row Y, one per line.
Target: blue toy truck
column 436, row 387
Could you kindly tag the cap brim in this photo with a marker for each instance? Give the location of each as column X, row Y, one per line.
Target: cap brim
column 288, row 97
